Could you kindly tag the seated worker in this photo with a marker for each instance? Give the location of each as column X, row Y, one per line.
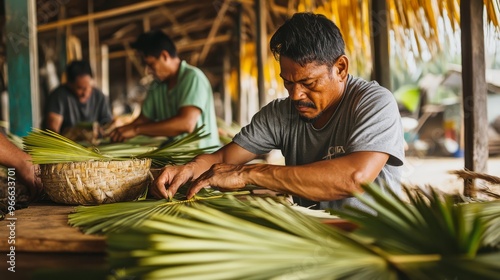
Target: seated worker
column 178, row 101
column 335, row 131
column 13, row 157
column 77, row 101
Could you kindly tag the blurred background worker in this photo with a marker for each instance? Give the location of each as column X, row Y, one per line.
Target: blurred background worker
column 76, row 101
column 178, row 101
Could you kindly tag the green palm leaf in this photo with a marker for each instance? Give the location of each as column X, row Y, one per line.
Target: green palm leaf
column 124, row 215
column 46, row 146
column 206, row 243
column 266, row 239
column 180, row 150
column 432, row 216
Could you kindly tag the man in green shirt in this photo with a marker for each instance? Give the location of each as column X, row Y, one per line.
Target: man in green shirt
column 178, row 101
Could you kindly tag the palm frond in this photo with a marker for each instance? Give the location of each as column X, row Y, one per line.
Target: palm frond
column 229, row 241
column 180, row 150
column 214, row 244
column 46, row 146
column 427, row 214
column 120, row 216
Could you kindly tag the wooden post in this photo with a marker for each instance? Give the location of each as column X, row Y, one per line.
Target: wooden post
column 105, row 70
column 22, row 64
column 380, row 43
column 61, row 45
column 261, row 47
column 226, row 76
column 94, row 46
column 241, row 101
column 474, row 90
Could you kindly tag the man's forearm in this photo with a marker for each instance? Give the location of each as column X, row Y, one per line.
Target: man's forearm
column 305, row 181
column 322, row 180
column 10, row 155
column 169, row 128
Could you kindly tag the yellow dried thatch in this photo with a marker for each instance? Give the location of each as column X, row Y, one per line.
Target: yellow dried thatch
column 419, row 27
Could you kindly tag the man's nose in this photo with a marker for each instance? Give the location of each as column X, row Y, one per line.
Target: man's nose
column 297, row 92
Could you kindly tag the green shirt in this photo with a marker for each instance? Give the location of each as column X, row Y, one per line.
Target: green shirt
column 192, row 89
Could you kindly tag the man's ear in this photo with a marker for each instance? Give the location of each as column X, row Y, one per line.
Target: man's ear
column 342, row 67
column 164, row 55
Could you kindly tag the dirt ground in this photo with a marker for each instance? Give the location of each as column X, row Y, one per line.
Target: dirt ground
column 434, row 172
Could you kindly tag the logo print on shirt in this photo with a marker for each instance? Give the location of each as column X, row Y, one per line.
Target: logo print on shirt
column 334, row 151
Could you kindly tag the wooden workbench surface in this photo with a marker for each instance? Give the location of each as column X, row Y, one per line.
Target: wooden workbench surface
column 43, row 227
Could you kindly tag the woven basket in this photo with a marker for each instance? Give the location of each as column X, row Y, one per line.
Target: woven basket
column 95, row 182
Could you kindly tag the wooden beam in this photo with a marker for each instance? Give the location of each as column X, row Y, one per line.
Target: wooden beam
column 195, row 26
column 380, row 43
column 130, row 53
column 261, row 47
column 22, row 64
column 171, row 17
column 105, row 14
column 193, row 45
column 213, row 31
column 277, row 9
column 474, row 90
column 120, row 33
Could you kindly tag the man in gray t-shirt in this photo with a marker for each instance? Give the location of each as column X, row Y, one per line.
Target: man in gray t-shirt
column 334, row 130
column 77, row 101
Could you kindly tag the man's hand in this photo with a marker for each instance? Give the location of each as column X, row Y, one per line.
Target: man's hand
column 123, row 133
column 28, row 175
column 172, row 177
column 223, row 176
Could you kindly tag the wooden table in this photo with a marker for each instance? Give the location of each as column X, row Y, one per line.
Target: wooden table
column 44, row 241
column 44, row 228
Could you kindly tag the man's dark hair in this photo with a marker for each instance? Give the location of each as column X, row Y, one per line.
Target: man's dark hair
column 77, row 68
column 308, row 37
column 153, row 43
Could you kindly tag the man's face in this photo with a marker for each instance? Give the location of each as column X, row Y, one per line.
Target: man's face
column 82, row 88
column 313, row 88
column 158, row 66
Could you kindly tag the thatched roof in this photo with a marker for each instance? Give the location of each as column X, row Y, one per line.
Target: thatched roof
column 202, row 28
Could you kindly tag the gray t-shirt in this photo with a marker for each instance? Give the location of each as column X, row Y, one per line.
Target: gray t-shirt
column 63, row 102
column 367, row 119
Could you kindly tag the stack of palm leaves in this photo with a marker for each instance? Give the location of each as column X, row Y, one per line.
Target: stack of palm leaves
column 46, row 146
column 430, row 238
